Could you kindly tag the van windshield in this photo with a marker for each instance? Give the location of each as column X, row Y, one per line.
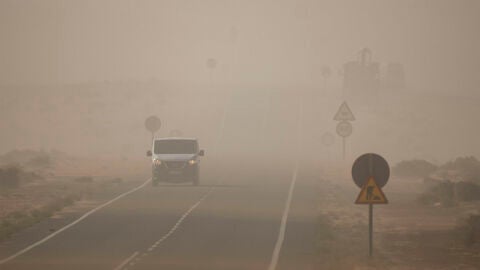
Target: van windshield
column 175, row 147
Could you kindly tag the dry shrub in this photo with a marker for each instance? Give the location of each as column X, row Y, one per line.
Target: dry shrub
column 470, row 229
column 447, row 193
column 414, row 168
column 84, row 179
column 10, row 177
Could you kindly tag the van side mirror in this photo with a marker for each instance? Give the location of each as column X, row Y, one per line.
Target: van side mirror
column 149, row 153
column 201, row 153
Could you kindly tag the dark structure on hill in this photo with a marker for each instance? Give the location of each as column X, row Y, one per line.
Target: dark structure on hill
column 364, row 79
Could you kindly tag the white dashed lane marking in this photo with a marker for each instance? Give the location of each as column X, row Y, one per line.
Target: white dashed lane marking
column 133, row 261
column 126, row 261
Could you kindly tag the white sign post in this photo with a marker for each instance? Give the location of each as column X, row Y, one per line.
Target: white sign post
column 344, row 128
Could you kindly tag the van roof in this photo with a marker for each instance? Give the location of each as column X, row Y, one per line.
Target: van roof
column 175, row 138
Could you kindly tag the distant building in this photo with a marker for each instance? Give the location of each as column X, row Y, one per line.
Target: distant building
column 361, row 77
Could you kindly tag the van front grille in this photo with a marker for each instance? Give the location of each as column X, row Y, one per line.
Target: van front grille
column 175, row 164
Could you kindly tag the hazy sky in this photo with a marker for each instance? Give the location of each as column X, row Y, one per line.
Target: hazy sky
column 255, row 42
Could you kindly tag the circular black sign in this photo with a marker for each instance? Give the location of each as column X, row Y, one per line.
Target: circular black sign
column 153, row 123
column 370, row 165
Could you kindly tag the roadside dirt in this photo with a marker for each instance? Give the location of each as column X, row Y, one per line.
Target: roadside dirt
column 64, row 191
column 407, row 235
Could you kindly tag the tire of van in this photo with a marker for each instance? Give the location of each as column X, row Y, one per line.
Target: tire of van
column 155, row 181
column 195, row 180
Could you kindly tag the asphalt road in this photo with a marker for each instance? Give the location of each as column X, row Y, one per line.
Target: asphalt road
column 233, row 220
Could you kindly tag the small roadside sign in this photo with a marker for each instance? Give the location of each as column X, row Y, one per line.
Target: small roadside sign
column 344, row 129
column 211, row 63
column 371, row 193
column 370, row 172
column 344, row 113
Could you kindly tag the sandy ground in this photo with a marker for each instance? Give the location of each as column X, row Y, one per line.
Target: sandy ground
column 407, row 235
column 60, row 182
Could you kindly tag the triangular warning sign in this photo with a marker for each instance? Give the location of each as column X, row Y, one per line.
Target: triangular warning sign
column 344, row 113
column 371, row 194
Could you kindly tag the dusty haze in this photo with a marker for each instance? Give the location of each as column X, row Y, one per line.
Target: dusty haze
column 258, row 83
column 81, row 76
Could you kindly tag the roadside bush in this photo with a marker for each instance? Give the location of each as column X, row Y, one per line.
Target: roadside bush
column 442, row 193
column 26, row 176
column 116, row 180
column 19, row 220
column 447, row 193
column 39, row 214
column 467, row 191
column 469, row 229
column 84, row 179
column 41, row 161
column 467, row 168
column 414, row 168
column 10, row 177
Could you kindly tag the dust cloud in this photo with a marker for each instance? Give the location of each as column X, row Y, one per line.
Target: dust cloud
column 81, row 77
column 258, row 83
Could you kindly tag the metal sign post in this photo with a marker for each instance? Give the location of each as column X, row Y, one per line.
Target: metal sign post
column 370, row 172
column 153, row 124
column 370, row 230
column 211, row 65
column 344, row 128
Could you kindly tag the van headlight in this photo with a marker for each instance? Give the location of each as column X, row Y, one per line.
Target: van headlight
column 157, row 162
column 192, row 162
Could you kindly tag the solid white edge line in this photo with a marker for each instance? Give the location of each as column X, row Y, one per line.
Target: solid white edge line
column 72, row 224
column 126, row 261
column 283, row 225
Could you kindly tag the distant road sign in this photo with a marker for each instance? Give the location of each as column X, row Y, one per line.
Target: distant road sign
column 371, row 193
column 368, row 166
column 344, row 129
column 211, row 63
column 328, row 139
column 344, row 113
column 153, row 123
